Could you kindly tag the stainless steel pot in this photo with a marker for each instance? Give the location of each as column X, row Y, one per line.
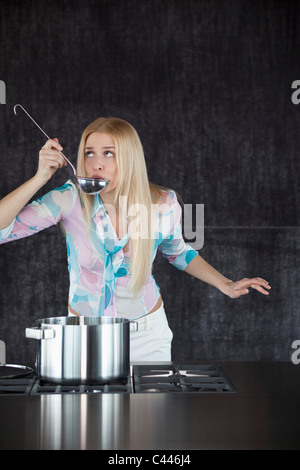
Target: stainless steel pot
column 81, row 349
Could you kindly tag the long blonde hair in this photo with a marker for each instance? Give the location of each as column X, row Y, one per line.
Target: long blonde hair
column 133, row 183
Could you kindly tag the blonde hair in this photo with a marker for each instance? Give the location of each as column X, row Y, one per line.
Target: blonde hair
column 133, row 183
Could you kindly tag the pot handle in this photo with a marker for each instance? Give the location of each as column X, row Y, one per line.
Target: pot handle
column 134, row 326
column 39, row 333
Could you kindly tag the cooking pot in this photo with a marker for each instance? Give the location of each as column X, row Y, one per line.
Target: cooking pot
column 81, row 350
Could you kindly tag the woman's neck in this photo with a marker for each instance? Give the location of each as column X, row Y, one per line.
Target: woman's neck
column 108, row 199
column 109, row 204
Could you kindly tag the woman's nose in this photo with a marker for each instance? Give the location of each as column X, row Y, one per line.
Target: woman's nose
column 98, row 164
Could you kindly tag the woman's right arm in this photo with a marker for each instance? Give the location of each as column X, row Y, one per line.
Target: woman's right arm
column 49, row 161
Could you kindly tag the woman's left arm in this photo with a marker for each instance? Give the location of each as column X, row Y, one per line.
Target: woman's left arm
column 200, row 269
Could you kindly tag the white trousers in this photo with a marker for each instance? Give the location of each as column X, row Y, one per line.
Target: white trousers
column 152, row 341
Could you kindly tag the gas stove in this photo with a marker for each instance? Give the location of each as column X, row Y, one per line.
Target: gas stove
column 143, row 378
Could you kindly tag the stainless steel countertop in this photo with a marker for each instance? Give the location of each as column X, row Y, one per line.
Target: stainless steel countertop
column 263, row 414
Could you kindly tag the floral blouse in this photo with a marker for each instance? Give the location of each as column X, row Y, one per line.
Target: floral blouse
column 96, row 260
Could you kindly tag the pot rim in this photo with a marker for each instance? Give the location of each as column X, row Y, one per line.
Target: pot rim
column 81, row 321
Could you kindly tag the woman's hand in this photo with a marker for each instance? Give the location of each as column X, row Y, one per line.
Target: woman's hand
column 200, row 269
column 50, row 160
column 238, row 288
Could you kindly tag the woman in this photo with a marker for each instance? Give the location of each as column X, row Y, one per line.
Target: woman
column 112, row 238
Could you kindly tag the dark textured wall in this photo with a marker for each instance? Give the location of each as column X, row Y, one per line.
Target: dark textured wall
column 207, row 84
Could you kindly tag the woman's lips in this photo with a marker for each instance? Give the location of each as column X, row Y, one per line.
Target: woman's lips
column 97, row 177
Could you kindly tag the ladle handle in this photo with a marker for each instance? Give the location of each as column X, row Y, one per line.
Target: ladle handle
column 68, row 161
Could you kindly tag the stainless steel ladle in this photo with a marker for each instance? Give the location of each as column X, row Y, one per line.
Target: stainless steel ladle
column 87, row 185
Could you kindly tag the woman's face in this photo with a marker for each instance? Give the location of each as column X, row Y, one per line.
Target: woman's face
column 100, row 159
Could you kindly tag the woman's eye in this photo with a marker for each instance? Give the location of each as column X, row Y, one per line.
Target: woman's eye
column 90, row 154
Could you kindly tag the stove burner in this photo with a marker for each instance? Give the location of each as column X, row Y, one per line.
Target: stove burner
column 40, row 388
column 181, row 378
column 34, row 386
column 21, row 386
column 163, row 378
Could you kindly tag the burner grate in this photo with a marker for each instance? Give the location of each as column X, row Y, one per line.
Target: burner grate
column 41, row 387
column 181, row 378
column 21, row 386
column 163, row 378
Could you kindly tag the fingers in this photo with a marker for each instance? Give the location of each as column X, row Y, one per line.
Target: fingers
column 257, row 283
column 260, row 285
column 244, row 292
column 52, row 143
column 50, row 159
column 254, row 280
column 260, row 289
column 50, row 154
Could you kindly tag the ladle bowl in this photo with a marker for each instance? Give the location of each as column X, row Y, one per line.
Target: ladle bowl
column 87, row 185
column 91, row 185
